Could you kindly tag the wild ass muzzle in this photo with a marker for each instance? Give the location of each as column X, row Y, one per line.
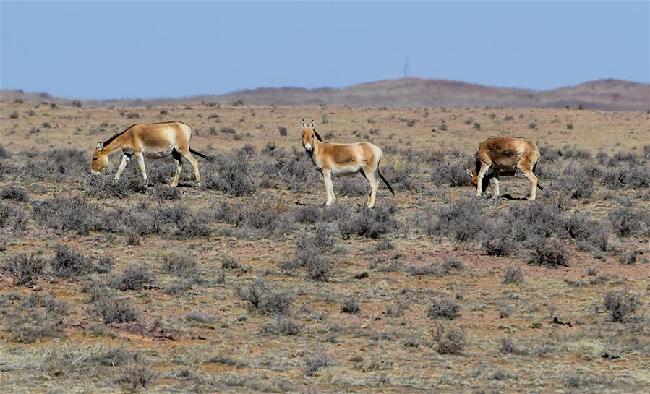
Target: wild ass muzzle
column 343, row 159
column 504, row 155
column 154, row 140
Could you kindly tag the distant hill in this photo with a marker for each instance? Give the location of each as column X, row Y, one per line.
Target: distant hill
column 607, row 94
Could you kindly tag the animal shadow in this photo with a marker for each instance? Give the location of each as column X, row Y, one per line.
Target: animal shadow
column 510, row 197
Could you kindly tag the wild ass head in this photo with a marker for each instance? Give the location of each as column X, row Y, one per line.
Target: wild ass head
column 309, row 136
column 100, row 159
column 472, row 176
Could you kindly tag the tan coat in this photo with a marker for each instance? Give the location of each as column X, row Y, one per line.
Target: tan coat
column 152, row 140
column 343, row 159
column 505, row 155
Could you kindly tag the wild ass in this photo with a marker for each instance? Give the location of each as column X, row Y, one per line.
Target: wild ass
column 154, row 140
column 505, row 155
column 343, row 159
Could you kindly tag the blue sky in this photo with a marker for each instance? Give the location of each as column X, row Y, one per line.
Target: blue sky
column 162, row 49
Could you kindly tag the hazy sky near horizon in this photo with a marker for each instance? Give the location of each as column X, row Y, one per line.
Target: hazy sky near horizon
column 95, row 50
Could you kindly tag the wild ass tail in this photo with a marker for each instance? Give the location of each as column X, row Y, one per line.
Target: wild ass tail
column 384, row 179
column 206, row 157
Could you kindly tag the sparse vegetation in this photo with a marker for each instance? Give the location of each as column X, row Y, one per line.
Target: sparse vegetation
column 248, row 283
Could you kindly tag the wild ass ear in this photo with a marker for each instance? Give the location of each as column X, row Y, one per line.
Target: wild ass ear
column 100, row 146
column 304, row 125
column 468, row 171
column 318, row 136
column 313, row 126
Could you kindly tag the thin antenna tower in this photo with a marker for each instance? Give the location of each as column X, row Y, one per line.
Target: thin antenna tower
column 407, row 69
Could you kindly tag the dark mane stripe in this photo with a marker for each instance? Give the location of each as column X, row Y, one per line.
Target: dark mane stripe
column 108, row 141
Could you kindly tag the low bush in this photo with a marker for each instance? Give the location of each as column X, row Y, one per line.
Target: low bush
column 308, row 214
column 513, row 275
column 451, row 171
column 134, row 277
column 533, row 223
column 369, row 223
column 315, row 361
column 624, row 177
column 620, row 304
column 443, row 308
column 509, row 347
column 14, row 192
column 627, row 221
column 498, row 244
column 350, row 305
column 550, row 253
column 67, row 263
column 68, row 214
column 231, row 174
column 292, row 170
column 13, row 217
column 34, row 326
column 462, row 220
column 578, row 182
column 178, row 264
column 166, row 193
column 137, row 374
column 311, row 256
column 264, row 299
column 590, row 234
column 24, row 268
column 75, row 360
column 282, row 325
column 404, row 177
column 257, row 218
column 115, row 310
column 449, row 340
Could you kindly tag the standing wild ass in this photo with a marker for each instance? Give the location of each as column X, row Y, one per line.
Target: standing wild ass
column 343, row 159
column 505, row 155
column 153, row 140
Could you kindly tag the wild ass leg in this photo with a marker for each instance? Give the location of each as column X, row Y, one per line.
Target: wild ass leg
column 179, row 166
column 479, row 182
column 120, row 169
column 141, row 165
column 372, row 180
column 329, row 187
column 497, row 175
column 533, row 184
column 195, row 166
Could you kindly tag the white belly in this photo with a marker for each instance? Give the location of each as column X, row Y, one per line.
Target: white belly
column 345, row 170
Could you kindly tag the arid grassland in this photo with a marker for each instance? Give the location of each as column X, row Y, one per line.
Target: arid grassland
column 249, row 283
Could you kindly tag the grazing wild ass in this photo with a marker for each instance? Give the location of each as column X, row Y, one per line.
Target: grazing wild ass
column 154, row 140
column 504, row 155
column 343, row 159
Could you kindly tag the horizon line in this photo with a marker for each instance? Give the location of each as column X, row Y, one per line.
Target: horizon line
column 245, row 90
